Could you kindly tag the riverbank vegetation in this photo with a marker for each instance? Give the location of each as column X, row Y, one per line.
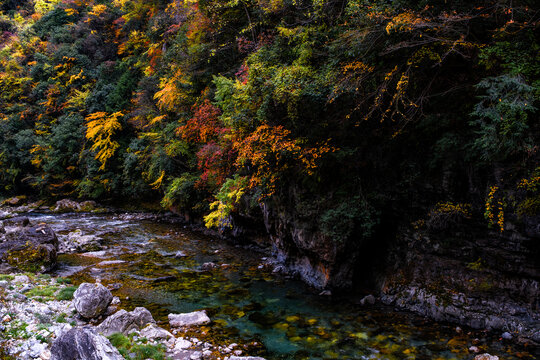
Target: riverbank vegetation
column 348, row 111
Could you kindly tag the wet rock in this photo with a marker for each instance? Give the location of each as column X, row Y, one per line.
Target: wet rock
column 208, row 266
column 246, row 358
column 75, row 241
column 325, row 293
column 17, row 221
column 189, row 319
column 486, row 356
column 67, row 205
column 114, row 286
column 14, row 201
column 124, row 322
column 83, row 344
column 91, row 300
column 155, row 333
column 32, row 249
column 180, row 254
column 110, row 262
column 368, row 300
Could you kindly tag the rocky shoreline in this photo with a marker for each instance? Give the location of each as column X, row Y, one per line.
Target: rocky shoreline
column 39, row 322
column 43, row 317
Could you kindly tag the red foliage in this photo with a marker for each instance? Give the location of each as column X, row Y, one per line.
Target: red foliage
column 216, row 163
column 204, row 126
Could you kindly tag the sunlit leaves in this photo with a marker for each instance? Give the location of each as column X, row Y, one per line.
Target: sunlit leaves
column 44, row 6
column 101, row 128
column 271, row 153
column 171, row 95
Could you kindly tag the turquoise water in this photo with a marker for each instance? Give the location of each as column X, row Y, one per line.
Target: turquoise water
column 272, row 316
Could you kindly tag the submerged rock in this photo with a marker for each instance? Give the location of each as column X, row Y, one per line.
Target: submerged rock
column 32, row 248
column 486, row 356
column 83, row 344
column 208, row 266
column 124, row 322
column 91, row 300
column 189, row 319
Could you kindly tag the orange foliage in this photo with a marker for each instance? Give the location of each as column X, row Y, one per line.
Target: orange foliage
column 203, row 126
column 270, row 152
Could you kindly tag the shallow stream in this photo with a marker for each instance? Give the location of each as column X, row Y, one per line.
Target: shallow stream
column 277, row 317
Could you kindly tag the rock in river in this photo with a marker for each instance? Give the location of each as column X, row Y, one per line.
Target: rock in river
column 91, row 300
column 486, row 356
column 31, row 248
column 67, row 205
column 18, row 221
column 123, row 321
column 76, row 241
column 83, row 344
column 189, row 319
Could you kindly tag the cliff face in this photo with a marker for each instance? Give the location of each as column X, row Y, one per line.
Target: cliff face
column 315, row 258
column 485, row 280
column 463, row 273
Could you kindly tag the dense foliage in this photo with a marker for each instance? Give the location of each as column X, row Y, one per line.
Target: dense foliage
column 349, row 110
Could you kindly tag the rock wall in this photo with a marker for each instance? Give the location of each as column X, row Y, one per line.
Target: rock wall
column 306, row 252
column 464, row 274
column 485, row 280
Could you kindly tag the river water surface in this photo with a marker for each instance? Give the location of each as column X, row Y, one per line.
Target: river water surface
column 280, row 318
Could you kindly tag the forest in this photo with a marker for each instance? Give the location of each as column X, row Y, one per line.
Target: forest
column 382, row 149
column 350, row 110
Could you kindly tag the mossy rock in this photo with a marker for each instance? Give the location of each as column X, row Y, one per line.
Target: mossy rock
column 32, row 249
column 32, row 258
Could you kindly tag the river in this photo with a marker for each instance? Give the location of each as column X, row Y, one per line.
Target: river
column 279, row 318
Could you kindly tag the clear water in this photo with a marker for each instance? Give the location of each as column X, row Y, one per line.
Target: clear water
column 274, row 317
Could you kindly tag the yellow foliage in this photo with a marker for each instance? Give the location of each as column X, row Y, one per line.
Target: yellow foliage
column 71, row 12
column 156, row 184
column 97, row 10
column 495, row 204
column 100, row 129
column 405, row 22
column 77, row 98
column 44, row 6
column 170, row 96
